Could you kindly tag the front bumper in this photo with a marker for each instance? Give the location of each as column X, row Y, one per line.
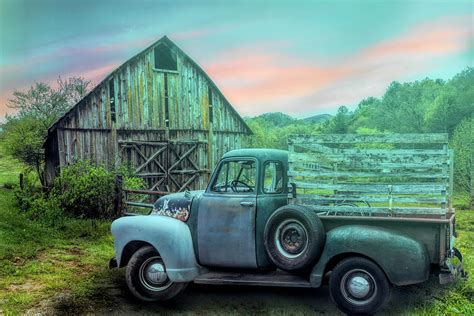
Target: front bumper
column 451, row 272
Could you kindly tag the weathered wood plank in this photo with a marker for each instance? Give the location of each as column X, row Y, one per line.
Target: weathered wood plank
column 413, row 188
column 417, row 175
column 385, row 155
column 358, row 139
column 369, row 162
column 375, row 210
column 318, row 199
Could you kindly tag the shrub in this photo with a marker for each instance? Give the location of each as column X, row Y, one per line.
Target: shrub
column 82, row 190
column 85, row 191
column 36, row 204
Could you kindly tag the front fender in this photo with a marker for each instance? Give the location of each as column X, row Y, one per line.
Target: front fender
column 403, row 259
column 170, row 237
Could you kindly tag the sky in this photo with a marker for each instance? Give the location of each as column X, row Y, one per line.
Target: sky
column 298, row 57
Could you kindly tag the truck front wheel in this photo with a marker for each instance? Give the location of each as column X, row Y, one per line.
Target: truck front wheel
column 147, row 278
column 358, row 286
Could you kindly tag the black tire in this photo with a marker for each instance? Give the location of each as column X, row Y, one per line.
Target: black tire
column 294, row 237
column 146, row 277
column 358, row 286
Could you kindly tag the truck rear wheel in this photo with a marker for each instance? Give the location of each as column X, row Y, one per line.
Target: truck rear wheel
column 147, row 278
column 358, row 286
column 294, row 237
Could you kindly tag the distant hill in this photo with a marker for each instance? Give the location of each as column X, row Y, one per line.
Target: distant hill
column 320, row 118
column 279, row 119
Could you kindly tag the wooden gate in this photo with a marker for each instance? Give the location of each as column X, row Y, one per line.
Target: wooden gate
column 171, row 166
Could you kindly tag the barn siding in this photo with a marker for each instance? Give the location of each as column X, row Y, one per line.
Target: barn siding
column 88, row 131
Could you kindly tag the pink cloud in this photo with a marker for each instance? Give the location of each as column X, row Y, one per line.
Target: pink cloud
column 96, row 75
column 435, row 37
column 269, row 80
column 4, row 109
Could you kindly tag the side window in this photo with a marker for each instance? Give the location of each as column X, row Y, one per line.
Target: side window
column 273, row 177
column 238, row 176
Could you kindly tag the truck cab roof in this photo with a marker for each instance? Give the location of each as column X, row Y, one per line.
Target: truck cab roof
column 262, row 154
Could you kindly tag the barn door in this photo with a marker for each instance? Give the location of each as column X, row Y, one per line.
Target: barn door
column 171, row 166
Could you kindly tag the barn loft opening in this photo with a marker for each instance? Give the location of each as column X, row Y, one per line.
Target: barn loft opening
column 165, row 59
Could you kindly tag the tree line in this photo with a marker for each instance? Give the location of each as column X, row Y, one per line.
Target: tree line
column 425, row 106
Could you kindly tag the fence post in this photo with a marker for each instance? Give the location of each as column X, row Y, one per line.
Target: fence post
column 118, row 195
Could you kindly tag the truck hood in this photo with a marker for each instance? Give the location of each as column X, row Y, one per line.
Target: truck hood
column 176, row 205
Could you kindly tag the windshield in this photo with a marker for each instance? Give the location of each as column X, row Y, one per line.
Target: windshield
column 236, row 176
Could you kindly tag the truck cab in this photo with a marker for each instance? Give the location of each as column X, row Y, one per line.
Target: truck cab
column 246, row 229
column 231, row 214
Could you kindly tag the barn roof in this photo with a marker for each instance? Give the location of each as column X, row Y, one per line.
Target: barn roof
column 167, row 41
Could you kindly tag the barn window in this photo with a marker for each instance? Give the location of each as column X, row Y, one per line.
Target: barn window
column 112, row 100
column 165, row 59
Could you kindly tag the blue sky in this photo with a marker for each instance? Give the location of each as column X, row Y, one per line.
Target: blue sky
column 298, row 57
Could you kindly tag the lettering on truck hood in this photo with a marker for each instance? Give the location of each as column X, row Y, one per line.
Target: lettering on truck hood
column 176, row 205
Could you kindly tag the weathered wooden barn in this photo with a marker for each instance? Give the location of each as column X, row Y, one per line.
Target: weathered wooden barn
column 159, row 112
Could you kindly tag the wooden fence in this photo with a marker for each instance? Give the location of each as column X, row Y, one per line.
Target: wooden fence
column 134, row 201
column 397, row 174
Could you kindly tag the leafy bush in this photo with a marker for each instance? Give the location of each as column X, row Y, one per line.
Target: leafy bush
column 82, row 190
column 85, row 191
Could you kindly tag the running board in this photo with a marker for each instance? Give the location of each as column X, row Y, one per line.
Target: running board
column 261, row 278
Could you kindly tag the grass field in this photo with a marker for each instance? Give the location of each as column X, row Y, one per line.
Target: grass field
column 64, row 270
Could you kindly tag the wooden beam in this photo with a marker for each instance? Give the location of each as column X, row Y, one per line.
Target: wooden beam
column 374, row 210
column 440, row 138
column 413, row 188
column 150, row 192
column 149, row 160
column 417, row 175
column 335, row 198
column 184, row 156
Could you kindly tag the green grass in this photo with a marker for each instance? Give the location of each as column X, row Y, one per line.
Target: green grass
column 456, row 298
column 38, row 262
column 64, row 270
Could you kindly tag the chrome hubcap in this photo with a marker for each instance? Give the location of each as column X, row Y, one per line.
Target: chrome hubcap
column 358, row 287
column 155, row 273
column 152, row 275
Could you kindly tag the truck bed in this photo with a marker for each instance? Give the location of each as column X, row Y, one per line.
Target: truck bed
column 396, row 175
column 432, row 232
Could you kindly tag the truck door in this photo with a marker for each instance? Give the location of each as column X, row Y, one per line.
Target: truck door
column 226, row 217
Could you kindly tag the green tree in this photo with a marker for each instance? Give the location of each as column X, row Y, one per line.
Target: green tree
column 37, row 109
column 340, row 123
column 463, row 145
column 452, row 104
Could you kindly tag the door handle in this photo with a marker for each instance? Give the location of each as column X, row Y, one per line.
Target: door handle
column 246, row 204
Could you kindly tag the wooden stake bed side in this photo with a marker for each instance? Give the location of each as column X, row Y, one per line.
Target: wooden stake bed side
column 372, row 175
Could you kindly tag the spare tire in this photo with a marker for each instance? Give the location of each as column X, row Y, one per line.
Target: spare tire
column 294, row 237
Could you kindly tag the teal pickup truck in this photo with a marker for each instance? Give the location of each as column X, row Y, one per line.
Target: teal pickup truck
column 362, row 213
